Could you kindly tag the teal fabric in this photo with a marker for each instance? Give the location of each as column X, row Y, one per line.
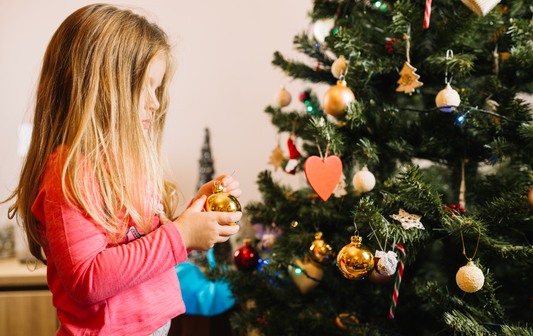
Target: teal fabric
column 201, row 296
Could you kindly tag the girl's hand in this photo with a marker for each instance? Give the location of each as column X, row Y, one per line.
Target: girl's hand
column 201, row 230
column 230, row 186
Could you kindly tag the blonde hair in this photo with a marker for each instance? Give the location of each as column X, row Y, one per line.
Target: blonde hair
column 94, row 72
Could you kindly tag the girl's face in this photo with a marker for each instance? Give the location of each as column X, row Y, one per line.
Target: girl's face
column 148, row 101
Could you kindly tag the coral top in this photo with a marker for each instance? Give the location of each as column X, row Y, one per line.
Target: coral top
column 101, row 288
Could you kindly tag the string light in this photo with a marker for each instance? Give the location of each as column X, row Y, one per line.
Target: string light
column 377, row 4
column 310, row 108
column 460, row 118
column 298, row 270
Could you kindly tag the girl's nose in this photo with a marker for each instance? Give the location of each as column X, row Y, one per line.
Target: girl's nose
column 154, row 103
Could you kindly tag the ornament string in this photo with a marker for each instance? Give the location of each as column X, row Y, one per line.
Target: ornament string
column 398, row 281
column 449, row 55
column 375, row 235
column 462, row 188
column 463, row 240
column 407, row 45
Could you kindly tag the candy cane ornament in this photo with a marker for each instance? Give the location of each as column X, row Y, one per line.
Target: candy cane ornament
column 427, row 14
column 398, row 281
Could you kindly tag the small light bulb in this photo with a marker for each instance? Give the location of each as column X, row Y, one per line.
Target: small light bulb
column 460, row 119
column 377, row 4
column 309, row 108
column 298, row 271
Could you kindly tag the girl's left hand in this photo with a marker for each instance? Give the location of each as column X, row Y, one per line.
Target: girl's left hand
column 230, row 186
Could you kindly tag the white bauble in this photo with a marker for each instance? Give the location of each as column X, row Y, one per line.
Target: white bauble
column 364, row 180
column 470, row 278
column 339, row 67
column 321, row 29
column 387, row 262
column 481, row 7
column 283, row 97
column 448, row 97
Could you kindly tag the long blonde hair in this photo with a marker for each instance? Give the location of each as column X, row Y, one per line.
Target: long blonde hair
column 94, row 71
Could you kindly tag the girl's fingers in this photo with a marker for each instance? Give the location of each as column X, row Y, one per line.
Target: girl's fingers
column 227, row 217
column 232, row 186
column 228, row 230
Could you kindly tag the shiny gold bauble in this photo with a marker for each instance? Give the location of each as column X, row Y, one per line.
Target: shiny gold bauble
column 355, row 261
column 337, row 98
column 530, row 198
column 341, row 320
column 320, row 252
column 283, row 97
column 221, row 201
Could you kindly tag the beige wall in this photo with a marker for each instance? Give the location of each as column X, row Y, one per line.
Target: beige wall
column 224, row 80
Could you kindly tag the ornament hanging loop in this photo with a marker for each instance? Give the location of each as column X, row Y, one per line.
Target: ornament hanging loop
column 356, row 231
column 449, row 55
column 463, row 240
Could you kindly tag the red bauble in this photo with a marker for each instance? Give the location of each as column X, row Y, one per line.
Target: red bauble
column 246, row 257
column 379, row 278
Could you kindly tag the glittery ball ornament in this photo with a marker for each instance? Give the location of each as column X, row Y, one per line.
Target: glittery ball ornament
column 320, row 252
column 364, row 180
column 355, row 261
column 481, row 7
column 339, row 66
column 246, row 257
column 337, row 98
column 283, row 97
column 221, row 201
column 470, row 278
column 447, row 97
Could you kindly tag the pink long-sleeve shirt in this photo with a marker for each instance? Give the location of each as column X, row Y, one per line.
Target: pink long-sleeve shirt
column 101, row 288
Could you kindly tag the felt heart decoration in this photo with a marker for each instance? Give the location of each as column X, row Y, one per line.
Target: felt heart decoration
column 303, row 283
column 323, row 175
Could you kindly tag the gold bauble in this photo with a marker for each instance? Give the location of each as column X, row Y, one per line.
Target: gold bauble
column 447, row 97
column 339, row 66
column 530, row 198
column 337, row 98
column 283, row 97
column 221, row 201
column 355, row 260
column 320, row 252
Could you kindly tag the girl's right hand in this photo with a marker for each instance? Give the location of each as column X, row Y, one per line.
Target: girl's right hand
column 201, row 230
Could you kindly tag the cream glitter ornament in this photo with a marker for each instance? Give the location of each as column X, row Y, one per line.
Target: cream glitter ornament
column 470, row 278
column 448, row 97
column 283, row 97
column 364, row 180
column 481, row 7
column 321, row 29
column 339, row 66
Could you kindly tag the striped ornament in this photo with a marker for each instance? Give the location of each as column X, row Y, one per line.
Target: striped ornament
column 427, row 14
column 397, row 282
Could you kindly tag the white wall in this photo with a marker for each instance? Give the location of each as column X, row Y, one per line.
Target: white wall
column 224, row 81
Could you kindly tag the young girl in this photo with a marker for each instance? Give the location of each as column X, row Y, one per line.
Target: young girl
column 92, row 193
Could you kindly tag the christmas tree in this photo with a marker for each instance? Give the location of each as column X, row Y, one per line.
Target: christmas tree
column 436, row 85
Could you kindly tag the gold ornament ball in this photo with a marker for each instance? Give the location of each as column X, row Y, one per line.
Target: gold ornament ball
column 345, row 318
column 364, row 180
column 320, row 252
column 448, row 97
column 337, row 99
column 221, row 201
column 470, row 278
column 355, row 261
column 339, row 66
column 530, row 197
column 283, row 97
